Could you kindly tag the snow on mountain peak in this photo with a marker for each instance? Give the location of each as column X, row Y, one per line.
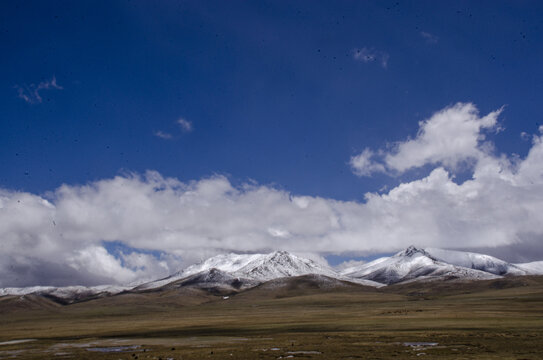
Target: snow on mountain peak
column 476, row 261
column 225, row 262
column 65, row 292
column 282, row 264
column 409, row 264
column 253, row 267
column 532, row 268
column 412, row 251
column 246, row 270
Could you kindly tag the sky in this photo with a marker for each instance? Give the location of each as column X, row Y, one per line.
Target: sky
column 140, row 137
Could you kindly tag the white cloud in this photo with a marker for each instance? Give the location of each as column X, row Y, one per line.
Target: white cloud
column 31, row 93
column 363, row 165
column 101, row 262
column 185, row 125
column 371, row 55
column 349, row 264
column 58, row 239
column 277, row 232
column 163, row 135
column 430, row 38
column 451, row 137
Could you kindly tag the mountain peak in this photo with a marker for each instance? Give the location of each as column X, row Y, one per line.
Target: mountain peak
column 412, row 250
column 282, row 257
column 280, row 253
column 281, row 264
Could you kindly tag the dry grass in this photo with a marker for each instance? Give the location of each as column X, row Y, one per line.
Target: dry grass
column 484, row 320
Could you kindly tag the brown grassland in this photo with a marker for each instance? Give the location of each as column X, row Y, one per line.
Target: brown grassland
column 498, row 319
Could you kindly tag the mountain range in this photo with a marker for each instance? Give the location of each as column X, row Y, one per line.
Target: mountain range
column 232, row 273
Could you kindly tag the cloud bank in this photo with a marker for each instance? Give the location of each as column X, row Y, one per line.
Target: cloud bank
column 61, row 237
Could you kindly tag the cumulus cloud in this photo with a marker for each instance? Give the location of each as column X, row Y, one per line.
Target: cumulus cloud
column 59, row 238
column 31, row 93
column 451, row 137
column 371, row 55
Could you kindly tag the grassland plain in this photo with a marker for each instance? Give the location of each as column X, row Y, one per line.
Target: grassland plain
column 497, row 319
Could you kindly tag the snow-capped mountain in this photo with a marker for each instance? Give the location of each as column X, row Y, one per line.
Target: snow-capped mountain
column 532, row 268
column 65, row 292
column 281, row 264
column 228, row 263
column 412, row 263
column 476, row 261
column 261, row 267
column 254, row 267
column 236, row 272
column 214, row 280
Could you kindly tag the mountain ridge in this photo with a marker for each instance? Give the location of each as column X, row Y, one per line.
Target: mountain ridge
column 237, row 272
column 410, row 264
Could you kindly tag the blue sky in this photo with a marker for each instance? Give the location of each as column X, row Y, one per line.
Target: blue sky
column 275, row 93
column 271, row 88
